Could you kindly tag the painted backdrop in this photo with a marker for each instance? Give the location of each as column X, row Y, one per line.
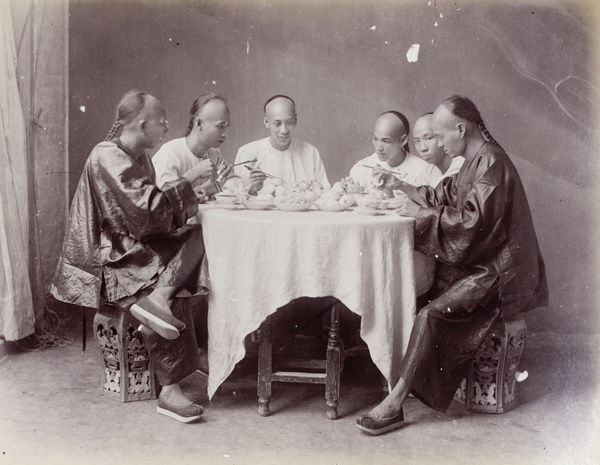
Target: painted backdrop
column 527, row 66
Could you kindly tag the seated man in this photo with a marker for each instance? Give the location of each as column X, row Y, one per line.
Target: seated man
column 206, row 131
column 390, row 139
column 428, row 149
column 280, row 154
column 127, row 243
column 478, row 225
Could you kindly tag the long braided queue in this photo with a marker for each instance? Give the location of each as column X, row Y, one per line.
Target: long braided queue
column 464, row 108
column 113, row 130
column 487, row 134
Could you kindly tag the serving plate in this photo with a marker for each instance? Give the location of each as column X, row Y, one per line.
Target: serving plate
column 331, row 208
column 293, row 207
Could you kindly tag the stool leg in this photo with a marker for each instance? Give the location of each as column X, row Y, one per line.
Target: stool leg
column 265, row 369
column 334, row 365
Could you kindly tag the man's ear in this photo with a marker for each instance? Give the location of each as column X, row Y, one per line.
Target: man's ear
column 266, row 121
column 143, row 124
column 462, row 129
column 404, row 141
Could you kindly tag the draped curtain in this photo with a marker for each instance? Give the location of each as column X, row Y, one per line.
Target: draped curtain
column 16, row 307
column 33, row 163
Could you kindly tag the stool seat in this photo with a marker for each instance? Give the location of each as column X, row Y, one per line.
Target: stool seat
column 128, row 373
column 491, row 385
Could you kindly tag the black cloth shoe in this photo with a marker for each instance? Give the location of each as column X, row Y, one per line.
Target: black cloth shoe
column 186, row 414
column 374, row 427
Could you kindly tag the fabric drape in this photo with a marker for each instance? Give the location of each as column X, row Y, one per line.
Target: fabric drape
column 16, row 308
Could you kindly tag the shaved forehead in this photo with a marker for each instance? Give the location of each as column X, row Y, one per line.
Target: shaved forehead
column 280, row 105
column 215, row 109
column 390, row 124
column 442, row 117
column 423, row 124
column 152, row 107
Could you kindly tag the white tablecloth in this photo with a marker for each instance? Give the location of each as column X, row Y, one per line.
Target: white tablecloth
column 261, row 260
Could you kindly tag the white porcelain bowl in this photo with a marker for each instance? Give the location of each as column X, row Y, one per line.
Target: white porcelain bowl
column 226, row 198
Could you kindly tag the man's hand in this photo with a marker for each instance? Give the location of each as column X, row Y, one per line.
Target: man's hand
column 257, row 176
column 407, row 207
column 201, row 196
column 223, row 172
column 199, row 173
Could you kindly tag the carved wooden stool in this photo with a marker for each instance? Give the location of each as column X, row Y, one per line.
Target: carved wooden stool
column 491, row 382
column 326, row 371
column 128, row 373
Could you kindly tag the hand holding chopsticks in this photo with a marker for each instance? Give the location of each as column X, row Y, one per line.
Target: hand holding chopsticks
column 266, row 174
column 397, row 173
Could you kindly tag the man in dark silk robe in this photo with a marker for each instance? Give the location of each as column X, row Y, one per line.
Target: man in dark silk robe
column 478, row 226
column 127, row 241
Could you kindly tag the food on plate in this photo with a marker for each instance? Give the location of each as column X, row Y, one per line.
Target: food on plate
column 265, row 196
column 353, row 187
column 372, row 202
column 333, row 198
column 303, row 192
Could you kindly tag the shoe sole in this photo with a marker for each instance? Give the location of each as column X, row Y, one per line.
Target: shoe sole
column 379, row 431
column 163, row 328
column 179, row 418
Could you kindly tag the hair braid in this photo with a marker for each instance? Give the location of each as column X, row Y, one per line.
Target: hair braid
column 113, row 130
column 487, row 135
column 198, row 104
column 128, row 108
column 464, row 108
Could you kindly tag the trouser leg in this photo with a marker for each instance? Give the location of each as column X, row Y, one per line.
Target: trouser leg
column 174, row 359
column 439, row 350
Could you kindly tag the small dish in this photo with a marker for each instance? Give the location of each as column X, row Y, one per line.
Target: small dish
column 368, row 211
column 226, row 199
column 293, row 207
column 257, row 204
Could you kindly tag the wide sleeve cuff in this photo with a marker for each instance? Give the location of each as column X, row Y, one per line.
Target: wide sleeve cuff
column 182, row 198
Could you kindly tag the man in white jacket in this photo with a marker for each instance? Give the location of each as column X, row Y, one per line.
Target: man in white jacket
column 280, row 154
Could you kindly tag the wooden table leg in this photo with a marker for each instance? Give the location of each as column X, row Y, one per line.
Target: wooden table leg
column 265, row 369
column 334, row 365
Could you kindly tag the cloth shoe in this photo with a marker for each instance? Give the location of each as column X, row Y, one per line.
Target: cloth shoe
column 374, row 427
column 186, row 414
column 160, row 321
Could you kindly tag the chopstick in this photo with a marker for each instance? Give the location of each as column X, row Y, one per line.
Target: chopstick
column 267, row 174
column 244, row 162
column 389, row 171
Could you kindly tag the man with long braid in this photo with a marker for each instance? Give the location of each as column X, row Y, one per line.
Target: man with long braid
column 205, row 132
column 127, row 243
column 478, row 225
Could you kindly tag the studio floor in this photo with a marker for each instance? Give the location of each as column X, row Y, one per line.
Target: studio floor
column 52, row 411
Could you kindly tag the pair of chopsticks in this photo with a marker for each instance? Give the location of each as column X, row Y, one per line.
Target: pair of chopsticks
column 219, row 178
column 267, row 174
column 389, row 171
